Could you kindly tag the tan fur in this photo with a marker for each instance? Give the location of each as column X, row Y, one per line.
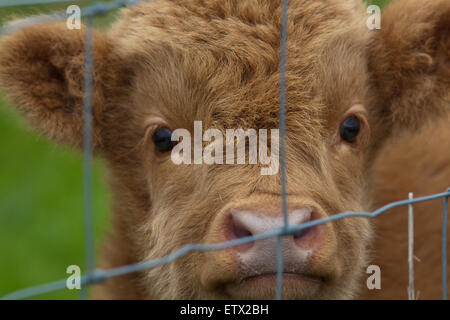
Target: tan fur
column 403, row 168
column 410, row 61
column 218, row 61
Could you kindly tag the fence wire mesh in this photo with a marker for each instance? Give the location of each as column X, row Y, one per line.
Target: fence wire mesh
column 95, row 275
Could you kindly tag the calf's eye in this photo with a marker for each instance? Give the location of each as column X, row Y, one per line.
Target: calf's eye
column 162, row 140
column 350, row 129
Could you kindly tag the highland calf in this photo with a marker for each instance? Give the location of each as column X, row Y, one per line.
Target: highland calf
column 367, row 118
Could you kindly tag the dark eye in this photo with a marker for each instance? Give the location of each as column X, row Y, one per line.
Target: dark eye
column 350, row 129
column 162, row 139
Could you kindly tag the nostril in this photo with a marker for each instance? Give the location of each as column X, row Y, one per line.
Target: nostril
column 302, row 233
column 307, row 237
column 299, row 234
column 239, row 230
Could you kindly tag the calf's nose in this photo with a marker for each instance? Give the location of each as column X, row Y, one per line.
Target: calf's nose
column 259, row 257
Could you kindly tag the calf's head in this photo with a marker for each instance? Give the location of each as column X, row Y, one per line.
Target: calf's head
column 166, row 64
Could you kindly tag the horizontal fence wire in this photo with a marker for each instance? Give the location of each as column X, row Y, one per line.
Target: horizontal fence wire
column 105, row 6
column 99, row 275
column 17, row 3
column 93, row 275
column 96, row 9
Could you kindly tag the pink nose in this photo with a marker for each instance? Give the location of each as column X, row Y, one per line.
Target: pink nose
column 259, row 257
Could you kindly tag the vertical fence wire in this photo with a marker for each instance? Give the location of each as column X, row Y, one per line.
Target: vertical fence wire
column 444, row 248
column 411, row 248
column 282, row 119
column 87, row 150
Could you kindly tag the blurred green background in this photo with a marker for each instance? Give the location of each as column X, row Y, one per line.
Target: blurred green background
column 41, row 194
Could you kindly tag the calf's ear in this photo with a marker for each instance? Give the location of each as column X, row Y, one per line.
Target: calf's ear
column 42, row 72
column 409, row 60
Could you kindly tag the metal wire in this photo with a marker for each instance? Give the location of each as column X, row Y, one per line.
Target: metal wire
column 411, row 294
column 17, row 3
column 444, row 248
column 87, row 151
column 97, row 275
column 282, row 117
column 101, row 275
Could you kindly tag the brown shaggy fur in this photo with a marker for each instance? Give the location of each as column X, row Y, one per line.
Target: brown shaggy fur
column 410, row 61
column 173, row 62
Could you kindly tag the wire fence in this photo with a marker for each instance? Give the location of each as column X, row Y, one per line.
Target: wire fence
column 95, row 275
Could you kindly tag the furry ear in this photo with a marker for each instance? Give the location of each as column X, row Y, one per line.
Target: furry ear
column 42, row 71
column 409, row 60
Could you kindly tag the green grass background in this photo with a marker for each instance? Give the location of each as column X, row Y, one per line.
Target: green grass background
column 41, row 195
